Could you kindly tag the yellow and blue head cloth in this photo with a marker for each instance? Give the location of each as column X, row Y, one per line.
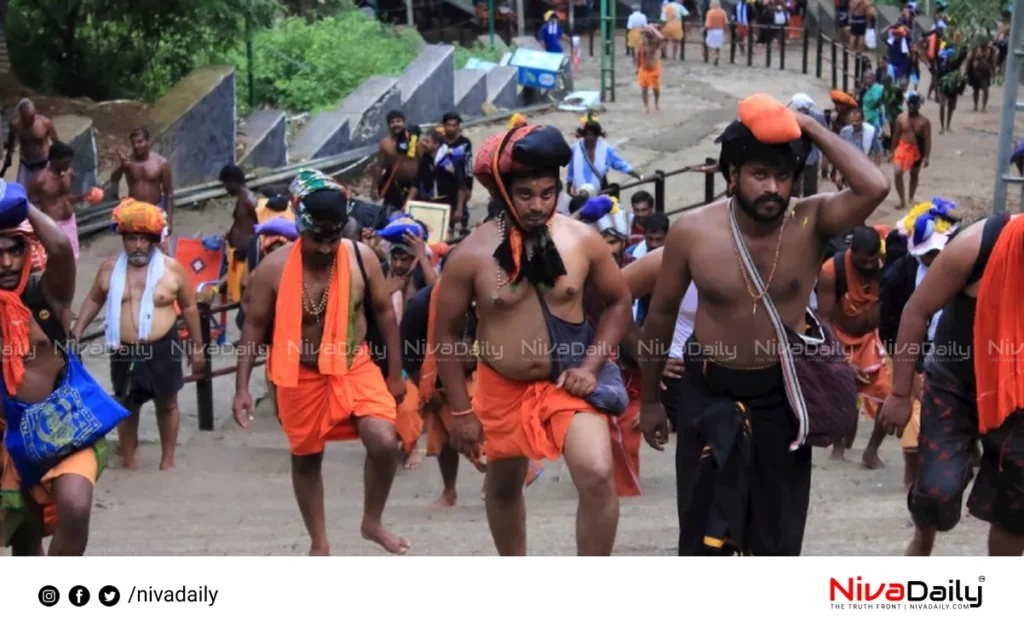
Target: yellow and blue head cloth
column 930, row 225
column 606, row 215
column 398, row 226
column 317, row 200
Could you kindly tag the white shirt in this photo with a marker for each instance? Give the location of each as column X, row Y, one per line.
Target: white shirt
column 636, row 20
column 684, row 322
column 934, row 323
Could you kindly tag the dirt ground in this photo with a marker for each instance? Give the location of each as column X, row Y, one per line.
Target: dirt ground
column 231, row 493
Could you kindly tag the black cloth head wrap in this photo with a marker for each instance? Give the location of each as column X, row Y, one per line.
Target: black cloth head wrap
column 324, row 207
column 544, row 150
column 740, row 146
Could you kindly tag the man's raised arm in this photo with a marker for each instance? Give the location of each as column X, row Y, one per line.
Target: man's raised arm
column 59, row 277
column 842, row 211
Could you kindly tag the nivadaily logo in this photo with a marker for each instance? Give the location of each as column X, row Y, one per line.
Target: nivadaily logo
column 912, row 594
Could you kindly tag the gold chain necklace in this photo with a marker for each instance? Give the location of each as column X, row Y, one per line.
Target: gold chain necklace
column 317, row 309
column 502, row 278
column 759, row 296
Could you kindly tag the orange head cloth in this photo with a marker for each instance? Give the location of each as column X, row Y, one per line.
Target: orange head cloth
column 336, row 350
column 769, row 120
column 841, row 98
column 428, row 371
column 15, row 317
column 135, row 216
column 999, row 331
column 536, row 149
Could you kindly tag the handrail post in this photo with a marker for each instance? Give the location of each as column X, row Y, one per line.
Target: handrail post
column 750, row 45
column 732, row 42
column 591, row 40
column 846, row 70
column 817, row 59
column 835, row 65
column 709, row 182
column 659, row 191
column 768, row 49
column 204, row 386
column 807, row 49
column 782, row 49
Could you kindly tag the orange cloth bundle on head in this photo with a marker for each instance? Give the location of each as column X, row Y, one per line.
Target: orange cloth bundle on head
column 135, row 216
column 999, row 331
column 841, row 98
column 769, row 120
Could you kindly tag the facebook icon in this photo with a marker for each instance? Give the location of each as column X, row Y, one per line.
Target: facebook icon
column 79, row 596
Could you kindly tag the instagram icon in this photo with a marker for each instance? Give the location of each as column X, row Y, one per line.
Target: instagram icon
column 49, row 596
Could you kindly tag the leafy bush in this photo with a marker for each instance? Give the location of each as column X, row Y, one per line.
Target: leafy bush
column 462, row 54
column 308, row 66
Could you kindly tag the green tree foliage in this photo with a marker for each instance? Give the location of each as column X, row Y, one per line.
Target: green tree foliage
column 306, row 66
column 110, row 49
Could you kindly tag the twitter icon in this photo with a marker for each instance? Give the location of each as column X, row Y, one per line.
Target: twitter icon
column 109, row 596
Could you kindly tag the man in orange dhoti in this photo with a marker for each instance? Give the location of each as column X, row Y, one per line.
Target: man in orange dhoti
column 848, row 289
column 316, row 296
column 535, row 398
column 649, row 66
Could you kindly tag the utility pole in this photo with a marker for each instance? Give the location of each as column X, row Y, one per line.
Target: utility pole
column 408, row 13
column 490, row 21
column 521, row 17
column 1011, row 107
column 608, row 50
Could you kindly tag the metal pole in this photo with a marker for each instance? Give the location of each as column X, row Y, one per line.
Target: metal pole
column 490, row 21
column 376, row 10
column 709, row 182
column 1010, row 108
column 521, row 17
column 204, row 386
column 572, row 18
column 249, row 62
column 611, row 43
column 604, row 49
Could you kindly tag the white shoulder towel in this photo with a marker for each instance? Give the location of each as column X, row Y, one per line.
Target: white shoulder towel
column 112, row 325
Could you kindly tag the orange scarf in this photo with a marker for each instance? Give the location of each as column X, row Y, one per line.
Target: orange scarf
column 428, row 371
column 999, row 331
column 335, row 355
column 857, row 297
column 15, row 320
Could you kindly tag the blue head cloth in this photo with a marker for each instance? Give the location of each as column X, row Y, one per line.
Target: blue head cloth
column 13, row 204
column 596, row 208
column 278, row 226
column 396, row 229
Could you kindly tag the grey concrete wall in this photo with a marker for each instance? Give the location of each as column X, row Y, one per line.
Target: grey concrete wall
column 79, row 133
column 264, row 134
column 428, row 85
column 327, row 133
column 503, row 87
column 195, row 125
column 367, row 108
column 470, row 91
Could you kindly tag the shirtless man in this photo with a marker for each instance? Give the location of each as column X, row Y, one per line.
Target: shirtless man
column 148, row 175
column 51, row 192
column 860, row 12
column 973, row 281
column 649, row 66
column 396, row 168
column 141, row 326
column 737, row 356
column 42, row 363
column 34, row 133
column 912, row 138
column 516, row 319
column 243, row 227
column 328, row 387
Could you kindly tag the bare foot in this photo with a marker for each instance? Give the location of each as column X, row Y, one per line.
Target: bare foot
column 902, row 205
column 483, row 492
column 657, row 108
column 448, row 499
column 870, row 461
column 167, row 464
column 647, row 110
column 942, row 131
column 315, row 551
column 838, row 454
column 415, row 458
column 384, row 537
column 128, row 463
